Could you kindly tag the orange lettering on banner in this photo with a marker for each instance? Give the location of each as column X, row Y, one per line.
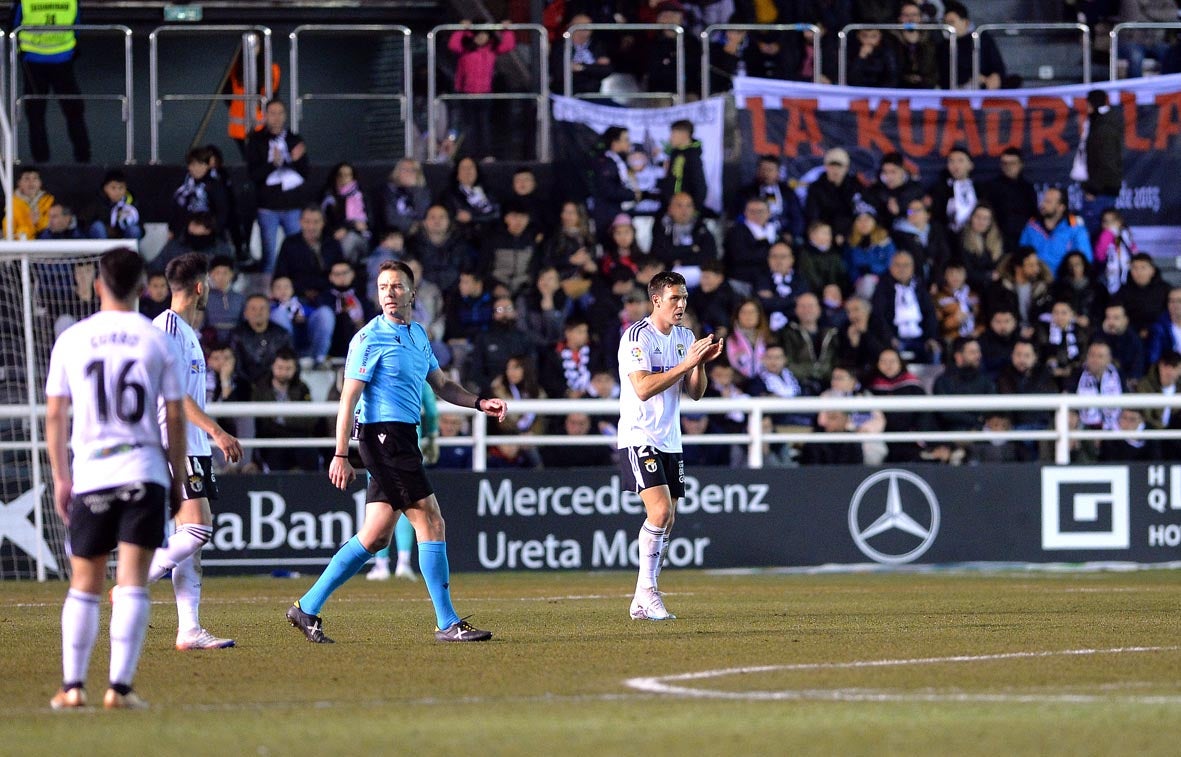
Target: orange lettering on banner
column 1132, row 138
column 999, row 113
column 869, row 126
column 1047, row 137
column 960, row 128
column 758, row 128
column 909, row 146
column 802, row 128
column 1168, row 119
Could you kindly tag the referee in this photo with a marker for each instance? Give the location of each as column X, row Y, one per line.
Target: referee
column 388, row 361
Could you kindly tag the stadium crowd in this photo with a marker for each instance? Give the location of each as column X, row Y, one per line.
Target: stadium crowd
column 970, row 282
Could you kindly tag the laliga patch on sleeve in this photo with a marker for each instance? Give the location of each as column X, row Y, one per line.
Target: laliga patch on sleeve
column 637, row 354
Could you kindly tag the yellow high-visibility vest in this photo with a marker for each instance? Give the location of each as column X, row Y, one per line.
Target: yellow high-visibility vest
column 48, row 13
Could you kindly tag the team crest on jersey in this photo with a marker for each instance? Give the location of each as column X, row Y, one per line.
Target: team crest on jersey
column 680, row 350
column 650, row 465
column 196, row 366
column 637, row 354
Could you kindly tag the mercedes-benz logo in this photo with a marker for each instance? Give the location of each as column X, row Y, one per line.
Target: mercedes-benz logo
column 895, row 517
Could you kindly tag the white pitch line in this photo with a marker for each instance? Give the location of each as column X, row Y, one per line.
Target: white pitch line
column 663, row 685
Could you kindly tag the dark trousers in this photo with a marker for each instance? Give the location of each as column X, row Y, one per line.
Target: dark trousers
column 476, row 120
column 41, row 79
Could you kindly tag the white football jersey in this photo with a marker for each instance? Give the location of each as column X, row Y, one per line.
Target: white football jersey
column 191, row 358
column 113, row 366
column 657, row 421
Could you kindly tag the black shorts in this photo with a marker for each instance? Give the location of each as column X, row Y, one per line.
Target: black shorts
column 132, row 513
column 645, row 467
column 199, row 481
column 391, row 454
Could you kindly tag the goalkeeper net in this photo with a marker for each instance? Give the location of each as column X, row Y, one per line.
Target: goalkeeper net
column 44, row 288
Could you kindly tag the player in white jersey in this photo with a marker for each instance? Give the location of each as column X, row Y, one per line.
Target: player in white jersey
column 658, row 358
column 186, row 276
column 112, row 367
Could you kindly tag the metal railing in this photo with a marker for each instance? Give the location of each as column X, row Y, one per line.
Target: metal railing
column 540, row 97
column 568, row 77
column 405, row 100
column 843, row 43
column 1083, row 30
column 251, row 95
column 124, row 99
column 1112, row 65
column 706, row 67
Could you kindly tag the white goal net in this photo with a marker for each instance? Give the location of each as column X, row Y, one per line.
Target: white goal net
column 44, row 287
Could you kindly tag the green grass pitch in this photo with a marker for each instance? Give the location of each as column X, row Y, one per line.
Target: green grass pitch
column 875, row 663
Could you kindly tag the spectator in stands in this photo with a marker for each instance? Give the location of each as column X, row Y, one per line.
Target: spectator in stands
column 509, row 254
column 441, row 251
column 283, row 384
column 156, row 296
column 914, row 50
column 995, row 450
column 767, row 54
column 1149, row 302
column 580, row 455
column 474, row 70
column 901, row 302
column 831, row 453
column 256, row 340
column 1063, row 343
column 278, row 164
column 516, row 379
column 566, row 370
column 870, row 250
column 1127, row 349
column 891, row 379
column 832, row 195
column 471, row 205
column 429, row 309
column 992, row 66
column 681, row 239
column 453, row 456
column 821, row 262
column 810, row 344
column 748, row 338
column 1164, row 378
column 495, row 348
column 61, row 224
column 997, row 342
column 957, row 307
column 782, row 202
column 1135, row 45
column 924, row 239
column 1055, row 231
column 1113, row 251
column 662, row 74
column 306, row 257
column 589, row 60
column 749, row 242
column 861, row 338
column 350, row 308
column 683, row 168
column 222, row 382
column 200, row 235
column 237, row 228
column 844, row 383
column 346, row 213
column 629, row 308
column 1072, row 282
column 401, row 202
column 955, row 193
column 572, row 249
column 620, row 250
column 539, row 203
column 612, row 194
column 1165, row 334
column 545, row 307
column 469, row 311
column 726, row 383
column 774, row 378
column 714, row 300
column 200, row 192
column 1099, row 163
column 310, row 326
column 1097, row 376
column 871, row 61
column 79, row 302
column 1023, row 374
column 894, row 190
column 778, row 286
column 1023, row 287
column 47, row 60
column 962, row 377
column 30, row 204
column 1135, row 449
column 1012, row 197
column 391, row 245
column 702, row 454
column 223, row 311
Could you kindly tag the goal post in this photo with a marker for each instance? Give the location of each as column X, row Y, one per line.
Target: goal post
column 44, row 287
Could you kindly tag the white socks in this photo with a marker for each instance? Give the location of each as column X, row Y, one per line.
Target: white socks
column 187, row 539
column 79, row 630
column 403, row 559
column 129, row 626
column 186, row 584
column 651, row 546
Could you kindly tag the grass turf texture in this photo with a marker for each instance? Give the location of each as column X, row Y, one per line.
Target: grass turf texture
column 553, row 680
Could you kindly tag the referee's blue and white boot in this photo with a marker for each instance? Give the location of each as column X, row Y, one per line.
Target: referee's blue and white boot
column 648, row 605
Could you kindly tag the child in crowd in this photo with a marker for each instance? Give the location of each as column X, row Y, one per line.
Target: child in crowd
column 30, row 205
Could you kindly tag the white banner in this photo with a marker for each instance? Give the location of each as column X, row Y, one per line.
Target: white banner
column 649, row 127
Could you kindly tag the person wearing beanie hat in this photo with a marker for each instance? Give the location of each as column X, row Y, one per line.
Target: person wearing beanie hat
column 830, row 196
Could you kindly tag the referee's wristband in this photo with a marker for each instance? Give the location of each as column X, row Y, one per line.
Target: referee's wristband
column 346, row 457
